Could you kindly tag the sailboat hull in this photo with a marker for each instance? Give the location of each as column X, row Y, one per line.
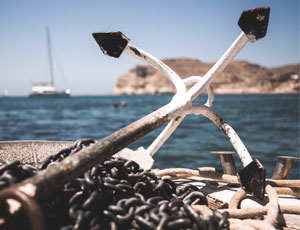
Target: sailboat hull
column 50, row 95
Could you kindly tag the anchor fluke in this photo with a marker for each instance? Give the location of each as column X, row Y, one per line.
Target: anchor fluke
column 253, row 178
column 254, row 22
column 111, row 43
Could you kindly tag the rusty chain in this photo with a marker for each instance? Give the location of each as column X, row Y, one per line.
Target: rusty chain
column 116, row 194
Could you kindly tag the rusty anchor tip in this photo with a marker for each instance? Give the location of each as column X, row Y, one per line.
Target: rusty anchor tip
column 254, row 22
column 111, row 43
column 253, row 179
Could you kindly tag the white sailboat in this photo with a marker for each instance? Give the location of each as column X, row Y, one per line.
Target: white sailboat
column 5, row 93
column 47, row 89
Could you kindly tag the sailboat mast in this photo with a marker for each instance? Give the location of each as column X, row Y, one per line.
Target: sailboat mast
column 50, row 56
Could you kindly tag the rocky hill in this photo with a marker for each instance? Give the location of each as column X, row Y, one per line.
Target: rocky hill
column 239, row 77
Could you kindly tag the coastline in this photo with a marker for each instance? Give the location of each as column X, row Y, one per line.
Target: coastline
column 240, row 77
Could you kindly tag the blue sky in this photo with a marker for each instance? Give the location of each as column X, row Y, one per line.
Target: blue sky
column 197, row 29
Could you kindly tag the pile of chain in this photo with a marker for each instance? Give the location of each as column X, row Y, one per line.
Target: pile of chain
column 116, row 194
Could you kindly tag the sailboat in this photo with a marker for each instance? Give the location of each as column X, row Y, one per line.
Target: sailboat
column 47, row 89
column 5, row 93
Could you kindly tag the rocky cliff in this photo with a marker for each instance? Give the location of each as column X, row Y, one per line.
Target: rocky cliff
column 239, row 77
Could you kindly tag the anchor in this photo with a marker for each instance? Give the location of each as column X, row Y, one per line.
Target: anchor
column 253, row 22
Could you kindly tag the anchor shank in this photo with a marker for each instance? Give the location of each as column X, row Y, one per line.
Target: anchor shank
column 219, row 66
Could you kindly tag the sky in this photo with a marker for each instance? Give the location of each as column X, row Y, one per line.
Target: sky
column 197, row 29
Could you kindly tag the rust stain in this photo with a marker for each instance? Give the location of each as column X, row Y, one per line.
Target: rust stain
column 135, row 51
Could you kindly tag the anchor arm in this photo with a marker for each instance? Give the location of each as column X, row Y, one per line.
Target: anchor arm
column 253, row 175
column 115, row 43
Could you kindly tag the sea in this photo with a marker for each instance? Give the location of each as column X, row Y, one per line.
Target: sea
column 267, row 124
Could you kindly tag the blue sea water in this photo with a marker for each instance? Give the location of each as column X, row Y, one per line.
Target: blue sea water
column 267, row 124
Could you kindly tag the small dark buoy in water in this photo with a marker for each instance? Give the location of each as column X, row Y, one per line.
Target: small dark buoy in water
column 123, row 103
column 116, row 104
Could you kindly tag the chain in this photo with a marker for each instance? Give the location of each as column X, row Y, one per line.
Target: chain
column 116, row 194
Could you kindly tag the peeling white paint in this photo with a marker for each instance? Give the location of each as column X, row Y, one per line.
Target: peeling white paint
column 160, row 66
column 181, row 104
column 13, row 205
column 29, row 189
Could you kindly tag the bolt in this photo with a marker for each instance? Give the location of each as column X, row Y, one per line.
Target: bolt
column 227, row 161
column 283, row 167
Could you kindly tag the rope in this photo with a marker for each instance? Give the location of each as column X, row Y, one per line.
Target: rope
column 271, row 210
column 282, row 187
column 267, row 223
column 252, row 212
column 237, row 198
column 283, row 183
column 292, row 191
column 273, row 207
column 236, row 224
column 177, row 173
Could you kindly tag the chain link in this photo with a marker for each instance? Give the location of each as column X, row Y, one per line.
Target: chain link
column 116, row 194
